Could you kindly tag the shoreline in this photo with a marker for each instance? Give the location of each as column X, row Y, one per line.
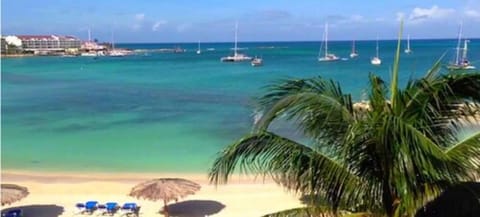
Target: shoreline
column 75, row 177
column 16, row 55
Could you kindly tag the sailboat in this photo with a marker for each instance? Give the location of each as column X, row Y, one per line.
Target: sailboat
column 199, row 51
column 354, row 53
column 461, row 62
column 327, row 57
column 408, row 50
column 237, row 57
column 115, row 52
column 376, row 60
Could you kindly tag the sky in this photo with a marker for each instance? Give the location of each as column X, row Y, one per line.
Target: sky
column 258, row 20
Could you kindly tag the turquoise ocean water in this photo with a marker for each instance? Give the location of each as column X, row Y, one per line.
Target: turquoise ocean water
column 166, row 112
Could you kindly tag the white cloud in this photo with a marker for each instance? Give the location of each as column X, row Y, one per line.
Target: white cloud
column 183, row 27
column 357, row 18
column 340, row 19
column 156, row 26
column 472, row 13
column 435, row 12
column 139, row 17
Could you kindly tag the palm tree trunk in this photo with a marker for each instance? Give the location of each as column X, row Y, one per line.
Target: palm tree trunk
column 388, row 199
column 165, row 208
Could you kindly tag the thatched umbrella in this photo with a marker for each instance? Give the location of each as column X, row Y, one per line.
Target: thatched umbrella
column 12, row 193
column 166, row 189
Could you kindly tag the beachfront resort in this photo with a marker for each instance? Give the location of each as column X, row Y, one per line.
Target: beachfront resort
column 56, row 45
column 220, row 109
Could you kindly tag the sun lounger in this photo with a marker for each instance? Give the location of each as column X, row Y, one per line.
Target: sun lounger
column 102, row 209
column 112, row 208
column 80, row 208
column 109, row 208
column 90, row 207
column 13, row 213
column 130, row 209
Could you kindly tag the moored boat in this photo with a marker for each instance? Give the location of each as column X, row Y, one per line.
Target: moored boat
column 354, row 52
column 461, row 62
column 236, row 57
column 257, row 61
column 326, row 57
column 376, row 60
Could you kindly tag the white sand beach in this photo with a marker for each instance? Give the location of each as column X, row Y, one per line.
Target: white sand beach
column 55, row 194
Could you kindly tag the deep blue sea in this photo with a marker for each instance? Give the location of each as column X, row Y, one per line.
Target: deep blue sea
column 167, row 112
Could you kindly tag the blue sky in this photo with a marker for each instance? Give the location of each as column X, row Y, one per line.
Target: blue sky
column 259, row 20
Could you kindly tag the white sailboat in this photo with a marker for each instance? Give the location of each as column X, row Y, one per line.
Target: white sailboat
column 327, row 57
column 199, row 51
column 408, row 50
column 237, row 57
column 461, row 62
column 376, row 60
column 354, row 53
column 115, row 52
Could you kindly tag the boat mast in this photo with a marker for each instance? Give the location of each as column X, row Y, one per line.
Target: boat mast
column 326, row 39
column 457, row 57
column 236, row 29
column 377, row 47
column 408, row 42
column 464, row 55
column 89, row 36
column 353, row 46
column 113, row 43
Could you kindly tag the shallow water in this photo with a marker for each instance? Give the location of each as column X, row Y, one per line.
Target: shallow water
column 165, row 112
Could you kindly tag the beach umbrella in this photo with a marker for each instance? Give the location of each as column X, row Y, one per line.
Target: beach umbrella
column 12, row 193
column 166, row 189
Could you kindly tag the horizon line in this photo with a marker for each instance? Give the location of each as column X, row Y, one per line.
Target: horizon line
column 267, row 41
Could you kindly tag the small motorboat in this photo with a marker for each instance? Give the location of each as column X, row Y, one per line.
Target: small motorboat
column 257, row 61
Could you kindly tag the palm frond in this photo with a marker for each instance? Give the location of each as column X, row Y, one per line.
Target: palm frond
column 435, row 69
column 319, row 212
column 311, row 211
column 292, row 165
column 466, row 153
column 377, row 93
column 396, row 64
column 320, row 116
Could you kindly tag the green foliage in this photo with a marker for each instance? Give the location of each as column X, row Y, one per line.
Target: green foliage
column 388, row 159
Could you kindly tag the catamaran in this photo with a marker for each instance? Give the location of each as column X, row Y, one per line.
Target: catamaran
column 354, row 53
column 461, row 63
column 237, row 57
column 408, row 50
column 376, row 60
column 327, row 57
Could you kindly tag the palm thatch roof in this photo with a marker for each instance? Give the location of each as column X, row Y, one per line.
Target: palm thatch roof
column 12, row 193
column 166, row 189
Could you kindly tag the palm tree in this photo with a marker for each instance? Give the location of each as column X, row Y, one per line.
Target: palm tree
column 388, row 159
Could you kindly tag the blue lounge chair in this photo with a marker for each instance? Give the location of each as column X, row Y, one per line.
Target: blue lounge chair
column 102, row 209
column 130, row 209
column 80, row 208
column 13, row 213
column 111, row 208
column 90, row 206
